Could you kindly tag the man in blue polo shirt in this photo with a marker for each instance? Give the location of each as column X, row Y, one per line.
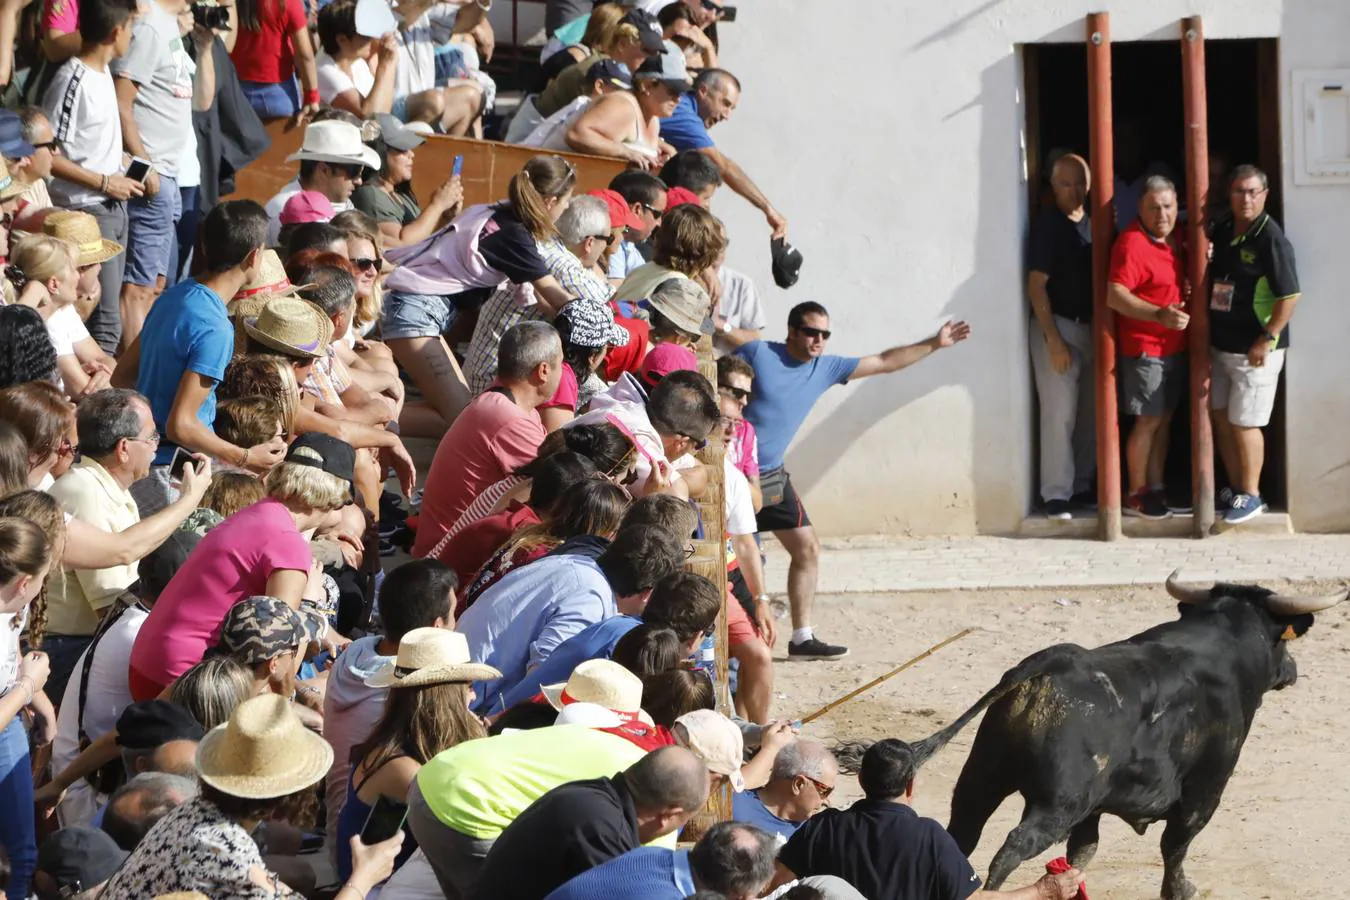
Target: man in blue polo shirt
column 713, row 99
column 732, row 860
column 789, row 378
column 800, row 783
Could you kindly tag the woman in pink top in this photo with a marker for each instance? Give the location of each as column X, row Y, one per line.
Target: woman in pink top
column 261, row 549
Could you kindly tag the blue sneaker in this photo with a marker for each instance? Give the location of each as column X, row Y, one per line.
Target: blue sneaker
column 1244, row 508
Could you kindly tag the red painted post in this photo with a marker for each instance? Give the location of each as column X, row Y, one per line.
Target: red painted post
column 1197, row 190
column 1100, row 125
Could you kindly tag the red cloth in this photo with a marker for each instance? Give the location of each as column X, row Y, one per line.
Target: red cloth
column 474, row 545
column 1055, row 866
column 1154, row 272
column 492, row 572
column 267, row 55
column 629, row 357
column 566, row 396
column 648, row 737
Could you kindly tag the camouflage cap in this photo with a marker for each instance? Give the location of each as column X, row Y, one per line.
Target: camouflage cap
column 258, row 629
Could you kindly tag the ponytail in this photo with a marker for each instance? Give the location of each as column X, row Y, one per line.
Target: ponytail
column 543, row 178
column 25, row 550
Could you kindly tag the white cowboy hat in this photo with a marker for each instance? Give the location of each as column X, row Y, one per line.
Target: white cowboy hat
column 431, row 656
column 335, row 142
column 604, row 683
column 263, row 751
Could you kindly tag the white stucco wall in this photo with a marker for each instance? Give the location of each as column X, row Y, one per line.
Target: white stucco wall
column 888, row 132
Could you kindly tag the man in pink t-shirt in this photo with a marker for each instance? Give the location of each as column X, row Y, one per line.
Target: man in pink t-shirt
column 495, row 434
column 735, row 383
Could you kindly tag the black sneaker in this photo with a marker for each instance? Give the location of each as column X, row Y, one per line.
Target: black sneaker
column 1084, row 500
column 1146, row 505
column 1223, row 500
column 1058, row 509
column 815, row 649
column 1180, row 509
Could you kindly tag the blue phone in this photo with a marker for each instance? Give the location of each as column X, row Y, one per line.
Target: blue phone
column 458, row 166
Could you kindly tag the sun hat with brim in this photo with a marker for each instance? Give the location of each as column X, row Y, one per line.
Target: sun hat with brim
column 13, row 145
column 9, row 188
column 604, row 683
column 243, row 308
column 431, row 656
column 270, row 278
column 81, row 229
column 291, row 326
column 685, row 303
column 590, row 324
column 264, row 751
column 335, row 142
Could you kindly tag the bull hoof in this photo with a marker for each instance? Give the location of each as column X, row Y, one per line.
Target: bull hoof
column 1185, row 891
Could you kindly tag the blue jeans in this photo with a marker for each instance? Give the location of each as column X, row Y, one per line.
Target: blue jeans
column 184, row 239
column 272, row 101
column 18, row 830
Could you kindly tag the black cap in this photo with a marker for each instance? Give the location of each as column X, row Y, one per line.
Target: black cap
column 80, row 858
column 332, row 455
column 159, row 565
column 787, row 262
column 649, row 30
column 154, row 723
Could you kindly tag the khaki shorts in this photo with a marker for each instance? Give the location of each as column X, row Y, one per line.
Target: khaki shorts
column 1246, row 391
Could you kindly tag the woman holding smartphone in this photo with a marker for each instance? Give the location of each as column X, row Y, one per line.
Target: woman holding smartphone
column 426, row 711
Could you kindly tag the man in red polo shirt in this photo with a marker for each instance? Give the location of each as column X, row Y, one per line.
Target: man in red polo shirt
column 1147, row 291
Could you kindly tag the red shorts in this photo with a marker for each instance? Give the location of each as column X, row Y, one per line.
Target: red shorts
column 740, row 630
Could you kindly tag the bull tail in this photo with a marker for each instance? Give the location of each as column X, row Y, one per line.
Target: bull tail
column 850, row 753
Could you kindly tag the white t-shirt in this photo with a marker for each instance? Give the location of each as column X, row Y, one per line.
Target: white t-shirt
column 278, row 203
column 107, row 695
column 82, row 105
column 334, row 81
column 162, row 70
column 739, row 306
column 416, row 58
column 66, row 330
column 10, row 629
column 740, row 506
column 551, row 134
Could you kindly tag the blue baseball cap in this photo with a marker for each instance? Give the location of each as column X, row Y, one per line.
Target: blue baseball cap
column 12, row 143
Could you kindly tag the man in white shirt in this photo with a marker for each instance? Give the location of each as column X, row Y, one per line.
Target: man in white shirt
column 333, row 161
column 118, row 442
column 81, row 102
column 739, row 318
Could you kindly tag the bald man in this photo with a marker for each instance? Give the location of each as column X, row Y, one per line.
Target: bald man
column 1059, row 283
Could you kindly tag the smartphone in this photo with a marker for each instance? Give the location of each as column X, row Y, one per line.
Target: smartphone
column 385, row 819
column 458, row 167
column 180, row 459
column 728, row 14
column 139, row 170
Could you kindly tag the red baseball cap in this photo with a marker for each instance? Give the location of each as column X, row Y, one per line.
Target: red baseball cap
column 677, row 195
column 620, row 213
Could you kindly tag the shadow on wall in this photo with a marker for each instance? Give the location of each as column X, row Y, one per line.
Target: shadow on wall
column 993, row 366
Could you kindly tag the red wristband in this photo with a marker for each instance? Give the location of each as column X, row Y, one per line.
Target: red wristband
column 311, row 98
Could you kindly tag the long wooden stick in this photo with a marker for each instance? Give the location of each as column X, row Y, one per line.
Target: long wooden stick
column 891, row 674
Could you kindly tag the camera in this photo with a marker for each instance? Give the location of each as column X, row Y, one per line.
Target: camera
column 211, row 15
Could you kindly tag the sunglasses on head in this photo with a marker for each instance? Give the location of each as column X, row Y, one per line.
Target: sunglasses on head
column 365, row 263
column 735, row 392
column 815, row 332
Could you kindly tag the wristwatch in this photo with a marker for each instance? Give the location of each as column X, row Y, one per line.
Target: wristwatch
column 726, row 327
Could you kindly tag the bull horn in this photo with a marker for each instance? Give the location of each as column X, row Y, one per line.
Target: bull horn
column 1193, row 595
column 1295, row 605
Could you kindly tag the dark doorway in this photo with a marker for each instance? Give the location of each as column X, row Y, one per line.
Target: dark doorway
column 1242, row 82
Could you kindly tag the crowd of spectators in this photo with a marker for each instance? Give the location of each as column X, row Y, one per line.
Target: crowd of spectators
column 226, row 677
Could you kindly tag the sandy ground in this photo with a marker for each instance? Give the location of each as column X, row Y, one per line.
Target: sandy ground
column 1283, row 828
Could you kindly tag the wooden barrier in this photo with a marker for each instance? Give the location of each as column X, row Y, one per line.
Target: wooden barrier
column 488, row 166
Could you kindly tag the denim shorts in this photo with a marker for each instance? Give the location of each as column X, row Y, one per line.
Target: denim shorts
column 399, row 109
column 415, row 315
column 272, row 100
column 150, row 234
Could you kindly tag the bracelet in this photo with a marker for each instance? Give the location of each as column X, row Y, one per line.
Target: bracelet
column 243, row 462
column 348, row 887
column 103, row 186
column 312, row 97
column 27, row 684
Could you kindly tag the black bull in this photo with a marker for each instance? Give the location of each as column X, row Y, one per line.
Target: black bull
column 1147, row 729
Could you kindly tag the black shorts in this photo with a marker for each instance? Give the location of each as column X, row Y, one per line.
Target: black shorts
column 783, row 509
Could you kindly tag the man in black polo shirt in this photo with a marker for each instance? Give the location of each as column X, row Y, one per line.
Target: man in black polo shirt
column 1253, row 288
column 1059, row 283
column 585, row 823
column 883, row 848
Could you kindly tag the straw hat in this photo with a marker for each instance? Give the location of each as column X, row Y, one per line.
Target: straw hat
column 269, row 279
column 263, row 751
column 604, row 683
column 292, row 326
column 431, row 656
column 81, row 229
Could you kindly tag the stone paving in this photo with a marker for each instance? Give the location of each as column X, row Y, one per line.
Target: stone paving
column 877, row 566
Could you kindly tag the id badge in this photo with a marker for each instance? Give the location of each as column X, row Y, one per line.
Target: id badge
column 1221, row 296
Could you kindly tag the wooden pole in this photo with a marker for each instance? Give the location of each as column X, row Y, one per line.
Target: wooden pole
column 1197, row 190
column 1100, row 124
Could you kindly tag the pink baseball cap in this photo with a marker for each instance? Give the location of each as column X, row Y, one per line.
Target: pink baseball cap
column 664, row 359
column 307, row 206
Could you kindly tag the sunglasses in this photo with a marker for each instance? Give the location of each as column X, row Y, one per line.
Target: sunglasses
column 825, row 790
column 53, row 145
column 656, row 213
column 698, row 443
column 735, row 392
column 351, row 170
column 815, row 332
column 365, row 263
column 607, row 237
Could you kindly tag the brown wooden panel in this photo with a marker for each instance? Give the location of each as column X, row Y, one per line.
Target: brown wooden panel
column 488, row 166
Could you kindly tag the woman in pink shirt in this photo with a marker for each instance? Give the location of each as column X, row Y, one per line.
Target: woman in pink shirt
column 260, row 550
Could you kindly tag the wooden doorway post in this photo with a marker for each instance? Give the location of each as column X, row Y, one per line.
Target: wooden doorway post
column 1197, row 193
column 1102, row 151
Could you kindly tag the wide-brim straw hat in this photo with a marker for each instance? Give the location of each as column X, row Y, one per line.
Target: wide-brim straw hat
column 81, row 229
column 263, row 752
column 291, row 326
column 431, row 656
column 602, row 682
column 269, row 279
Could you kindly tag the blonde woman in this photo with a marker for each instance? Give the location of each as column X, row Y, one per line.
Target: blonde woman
column 627, row 124
column 53, row 264
column 261, row 550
